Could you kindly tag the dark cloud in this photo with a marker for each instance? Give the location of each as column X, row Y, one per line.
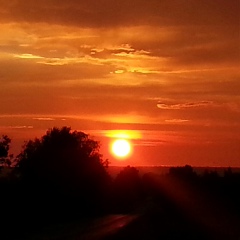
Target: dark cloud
column 104, row 13
column 193, row 46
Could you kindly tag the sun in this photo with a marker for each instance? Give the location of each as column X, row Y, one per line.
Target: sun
column 121, row 148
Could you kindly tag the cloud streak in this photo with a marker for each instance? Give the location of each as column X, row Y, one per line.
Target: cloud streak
column 184, row 105
column 177, row 120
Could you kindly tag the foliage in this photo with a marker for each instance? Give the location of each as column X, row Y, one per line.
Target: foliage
column 5, row 158
column 4, row 145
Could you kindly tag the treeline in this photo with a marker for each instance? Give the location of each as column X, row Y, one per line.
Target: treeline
column 63, row 177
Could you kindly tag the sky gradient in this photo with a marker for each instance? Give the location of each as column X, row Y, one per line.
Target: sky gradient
column 165, row 72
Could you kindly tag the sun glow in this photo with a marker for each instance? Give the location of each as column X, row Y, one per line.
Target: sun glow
column 123, row 134
column 121, row 148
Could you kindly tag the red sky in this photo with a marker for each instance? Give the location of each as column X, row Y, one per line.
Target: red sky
column 165, row 71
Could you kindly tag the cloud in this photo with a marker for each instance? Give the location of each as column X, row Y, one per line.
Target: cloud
column 184, row 105
column 43, row 119
column 27, row 56
column 17, row 127
column 108, row 13
column 176, row 120
column 150, row 143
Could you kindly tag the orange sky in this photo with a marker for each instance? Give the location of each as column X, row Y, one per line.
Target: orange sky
column 166, row 70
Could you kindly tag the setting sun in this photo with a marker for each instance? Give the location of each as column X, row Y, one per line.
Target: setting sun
column 121, row 148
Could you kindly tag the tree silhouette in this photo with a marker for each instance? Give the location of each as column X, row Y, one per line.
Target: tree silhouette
column 65, row 164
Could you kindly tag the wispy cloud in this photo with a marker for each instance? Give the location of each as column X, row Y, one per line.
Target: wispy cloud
column 44, row 119
column 17, row 127
column 184, row 105
column 176, row 120
column 28, row 56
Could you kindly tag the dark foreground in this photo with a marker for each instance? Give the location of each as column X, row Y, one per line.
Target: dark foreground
column 178, row 205
column 150, row 225
column 149, row 222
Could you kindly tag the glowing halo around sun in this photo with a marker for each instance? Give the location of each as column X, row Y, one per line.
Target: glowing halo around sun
column 121, row 148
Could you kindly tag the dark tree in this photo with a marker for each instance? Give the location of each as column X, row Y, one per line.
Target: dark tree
column 65, row 164
column 128, row 188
